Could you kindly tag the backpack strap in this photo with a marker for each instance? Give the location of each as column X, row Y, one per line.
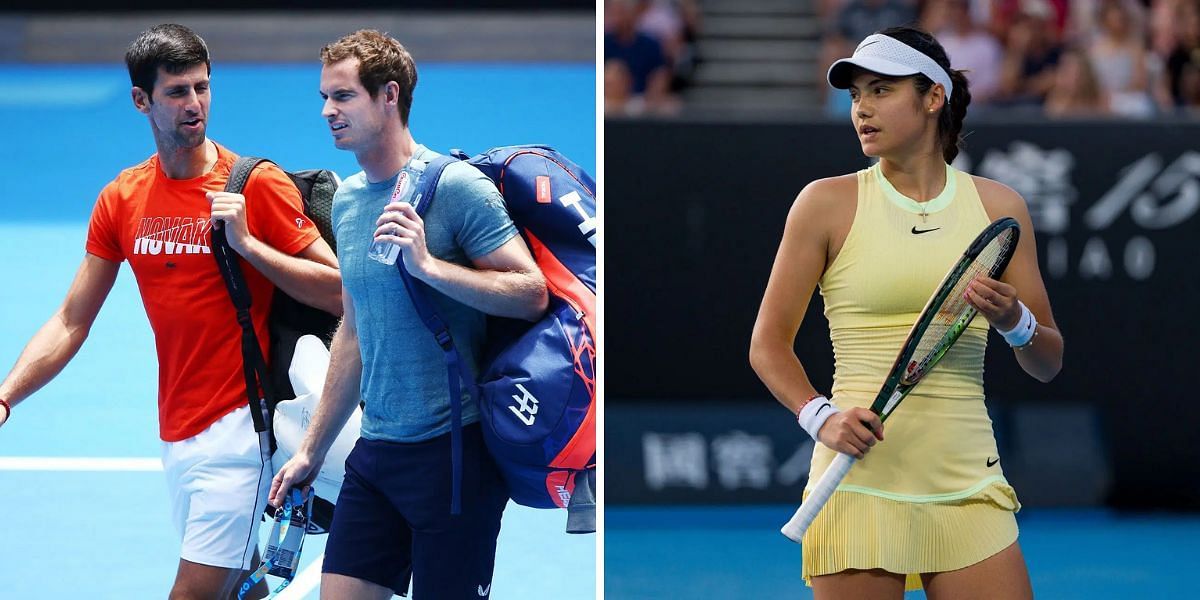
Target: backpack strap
column 254, row 364
column 457, row 373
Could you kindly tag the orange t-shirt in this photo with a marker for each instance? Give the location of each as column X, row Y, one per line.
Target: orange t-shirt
column 161, row 226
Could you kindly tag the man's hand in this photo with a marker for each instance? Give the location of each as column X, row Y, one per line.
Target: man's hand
column 229, row 213
column 401, row 225
column 301, row 470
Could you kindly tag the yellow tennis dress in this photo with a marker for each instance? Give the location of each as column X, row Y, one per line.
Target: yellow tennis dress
column 932, row 496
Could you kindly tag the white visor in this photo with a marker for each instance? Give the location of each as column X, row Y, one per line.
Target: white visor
column 889, row 56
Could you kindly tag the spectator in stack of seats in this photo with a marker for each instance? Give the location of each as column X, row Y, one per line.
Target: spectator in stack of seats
column 969, row 46
column 855, row 20
column 1130, row 71
column 1002, row 15
column 1031, row 54
column 637, row 77
column 675, row 24
column 1183, row 62
column 1152, row 17
column 618, row 88
column 1076, row 93
column 1189, row 90
column 860, row 18
column 1163, row 25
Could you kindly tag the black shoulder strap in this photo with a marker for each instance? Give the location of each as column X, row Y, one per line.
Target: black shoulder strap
column 239, row 174
column 254, row 364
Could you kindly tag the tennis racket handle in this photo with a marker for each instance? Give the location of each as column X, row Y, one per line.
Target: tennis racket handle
column 795, row 528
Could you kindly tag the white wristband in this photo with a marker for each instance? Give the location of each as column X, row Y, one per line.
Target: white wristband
column 815, row 413
column 1023, row 332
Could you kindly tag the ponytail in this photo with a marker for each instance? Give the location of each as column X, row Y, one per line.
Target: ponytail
column 950, row 121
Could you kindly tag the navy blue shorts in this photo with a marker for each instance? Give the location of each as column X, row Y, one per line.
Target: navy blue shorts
column 393, row 520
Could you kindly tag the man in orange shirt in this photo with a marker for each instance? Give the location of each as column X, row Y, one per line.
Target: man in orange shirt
column 158, row 215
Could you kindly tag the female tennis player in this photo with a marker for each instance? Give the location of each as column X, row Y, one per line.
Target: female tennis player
column 930, row 507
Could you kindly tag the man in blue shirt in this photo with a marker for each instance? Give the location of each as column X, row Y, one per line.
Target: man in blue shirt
column 634, row 62
column 394, row 509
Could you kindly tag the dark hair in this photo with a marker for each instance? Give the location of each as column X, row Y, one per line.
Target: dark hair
column 381, row 58
column 950, row 120
column 172, row 47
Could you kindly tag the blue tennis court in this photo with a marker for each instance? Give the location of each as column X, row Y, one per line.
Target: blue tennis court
column 81, row 488
column 738, row 552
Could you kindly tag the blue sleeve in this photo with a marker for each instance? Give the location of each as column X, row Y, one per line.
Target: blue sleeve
column 485, row 224
column 658, row 55
column 342, row 198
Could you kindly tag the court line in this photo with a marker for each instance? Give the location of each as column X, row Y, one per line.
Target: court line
column 78, row 463
column 305, row 581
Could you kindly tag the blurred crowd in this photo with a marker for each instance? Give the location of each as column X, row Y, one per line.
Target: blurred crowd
column 1061, row 58
column 649, row 54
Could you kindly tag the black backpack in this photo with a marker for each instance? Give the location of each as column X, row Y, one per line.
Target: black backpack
column 289, row 318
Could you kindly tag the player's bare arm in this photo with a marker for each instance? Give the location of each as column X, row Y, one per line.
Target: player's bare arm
column 338, row 400
column 53, row 346
column 505, row 282
column 997, row 300
column 808, row 245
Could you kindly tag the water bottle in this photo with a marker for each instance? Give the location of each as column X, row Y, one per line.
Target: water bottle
column 406, row 185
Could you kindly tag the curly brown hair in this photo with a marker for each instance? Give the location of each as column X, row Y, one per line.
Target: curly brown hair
column 381, row 58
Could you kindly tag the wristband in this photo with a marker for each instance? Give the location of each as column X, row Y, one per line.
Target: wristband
column 7, row 410
column 814, row 414
column 1024, row 331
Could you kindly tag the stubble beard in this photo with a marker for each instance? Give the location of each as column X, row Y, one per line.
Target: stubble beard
column 188, row 141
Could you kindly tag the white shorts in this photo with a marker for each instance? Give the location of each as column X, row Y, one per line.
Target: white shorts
column 218, row 487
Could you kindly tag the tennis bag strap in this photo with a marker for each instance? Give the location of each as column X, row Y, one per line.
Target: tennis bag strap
column 456, row 370
column 254, row 364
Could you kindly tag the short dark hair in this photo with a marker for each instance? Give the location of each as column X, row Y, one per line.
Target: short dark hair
column 381, row 58
column 172, row 47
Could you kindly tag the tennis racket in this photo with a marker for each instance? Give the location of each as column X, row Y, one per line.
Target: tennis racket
column 944, row 318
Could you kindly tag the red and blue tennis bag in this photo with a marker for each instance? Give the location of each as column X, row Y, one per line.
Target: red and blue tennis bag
column 537, row 385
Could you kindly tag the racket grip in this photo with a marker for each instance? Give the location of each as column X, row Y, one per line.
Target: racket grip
column 795, row 528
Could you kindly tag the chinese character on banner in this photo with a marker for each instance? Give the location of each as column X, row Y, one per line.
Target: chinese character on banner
column 675, row 459
column 1042, row 177
column 743, row 460
column 795, row 469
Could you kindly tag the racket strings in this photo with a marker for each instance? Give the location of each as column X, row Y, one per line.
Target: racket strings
column 955, row 313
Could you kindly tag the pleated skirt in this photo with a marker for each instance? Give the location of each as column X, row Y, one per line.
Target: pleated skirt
column 858, row 530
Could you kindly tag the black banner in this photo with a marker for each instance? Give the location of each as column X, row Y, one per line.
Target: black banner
column 749, row 451
column 694, row 214
column 710, row 453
